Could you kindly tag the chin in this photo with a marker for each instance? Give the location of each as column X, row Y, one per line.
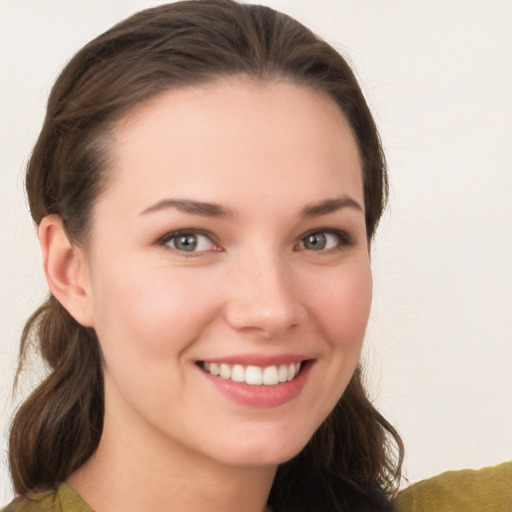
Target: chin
column 260, row 450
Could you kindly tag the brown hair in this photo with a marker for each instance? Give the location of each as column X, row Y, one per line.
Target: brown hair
column 354, row 458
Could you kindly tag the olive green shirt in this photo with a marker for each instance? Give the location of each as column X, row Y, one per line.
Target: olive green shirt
column 484, row 490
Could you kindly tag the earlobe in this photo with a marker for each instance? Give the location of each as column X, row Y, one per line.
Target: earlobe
column 65, row 269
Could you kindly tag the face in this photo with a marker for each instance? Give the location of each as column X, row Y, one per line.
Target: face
column 229, row 278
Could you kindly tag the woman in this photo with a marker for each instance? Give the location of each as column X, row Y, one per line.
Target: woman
column 206, row 184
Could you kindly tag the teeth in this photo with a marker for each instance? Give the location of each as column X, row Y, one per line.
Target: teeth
column 291, row 371
column 283, row 373
column 213, row 369
column 270, row 377
column 238, row 373
column 254, row 375
column 225, row 371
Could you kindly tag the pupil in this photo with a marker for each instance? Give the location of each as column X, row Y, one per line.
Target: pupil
column 186, row 243
column 316, row 242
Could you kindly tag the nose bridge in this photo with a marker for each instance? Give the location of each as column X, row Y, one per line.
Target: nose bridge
column 263, row 297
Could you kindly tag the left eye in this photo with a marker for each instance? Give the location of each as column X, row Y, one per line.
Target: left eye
column 320, row 241
column 189, row 242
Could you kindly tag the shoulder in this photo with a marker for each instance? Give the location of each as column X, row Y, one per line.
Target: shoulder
column 484, row 490
column 65, row 499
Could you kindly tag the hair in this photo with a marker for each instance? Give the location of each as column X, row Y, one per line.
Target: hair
column 354, row 459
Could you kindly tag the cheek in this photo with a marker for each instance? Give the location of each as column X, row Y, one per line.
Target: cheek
column 151, row 313
column 342, row 306
column 339, row 301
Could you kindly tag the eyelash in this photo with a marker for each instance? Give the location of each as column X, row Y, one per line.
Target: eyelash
column 173, row 235
column 344, row 240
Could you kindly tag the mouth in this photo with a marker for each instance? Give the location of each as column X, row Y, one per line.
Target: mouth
column 254, row 375
column 253, row 381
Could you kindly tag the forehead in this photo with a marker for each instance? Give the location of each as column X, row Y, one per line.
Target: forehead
column 255, row 136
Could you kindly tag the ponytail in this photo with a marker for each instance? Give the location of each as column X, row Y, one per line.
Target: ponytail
column 59, row 425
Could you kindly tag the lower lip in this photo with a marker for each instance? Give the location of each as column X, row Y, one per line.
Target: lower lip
column 261, row 396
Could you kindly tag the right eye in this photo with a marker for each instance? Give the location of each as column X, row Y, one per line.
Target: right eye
column 189, row 242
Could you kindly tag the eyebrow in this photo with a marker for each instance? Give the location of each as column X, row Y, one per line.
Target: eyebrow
column 216, row 210
column 330, row 205
column 193, row 207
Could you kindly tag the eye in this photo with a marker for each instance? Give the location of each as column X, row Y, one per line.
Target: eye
column 185, row 241
column 324, row 240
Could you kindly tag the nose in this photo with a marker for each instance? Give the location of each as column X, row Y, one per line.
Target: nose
column 264, row 299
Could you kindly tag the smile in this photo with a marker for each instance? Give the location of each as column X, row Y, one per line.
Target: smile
column 253, row 375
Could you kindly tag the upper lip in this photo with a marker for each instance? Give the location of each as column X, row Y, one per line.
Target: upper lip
column 259, row 359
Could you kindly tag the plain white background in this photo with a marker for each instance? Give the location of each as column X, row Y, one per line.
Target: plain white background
column 437, row 76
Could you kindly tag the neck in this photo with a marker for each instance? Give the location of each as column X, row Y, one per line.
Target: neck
column 157, row 474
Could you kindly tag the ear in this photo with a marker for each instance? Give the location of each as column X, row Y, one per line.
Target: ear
column 66, row 270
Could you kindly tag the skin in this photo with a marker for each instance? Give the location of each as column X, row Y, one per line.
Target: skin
column 171, row 437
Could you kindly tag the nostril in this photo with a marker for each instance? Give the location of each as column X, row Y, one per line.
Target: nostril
column 263, row 318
